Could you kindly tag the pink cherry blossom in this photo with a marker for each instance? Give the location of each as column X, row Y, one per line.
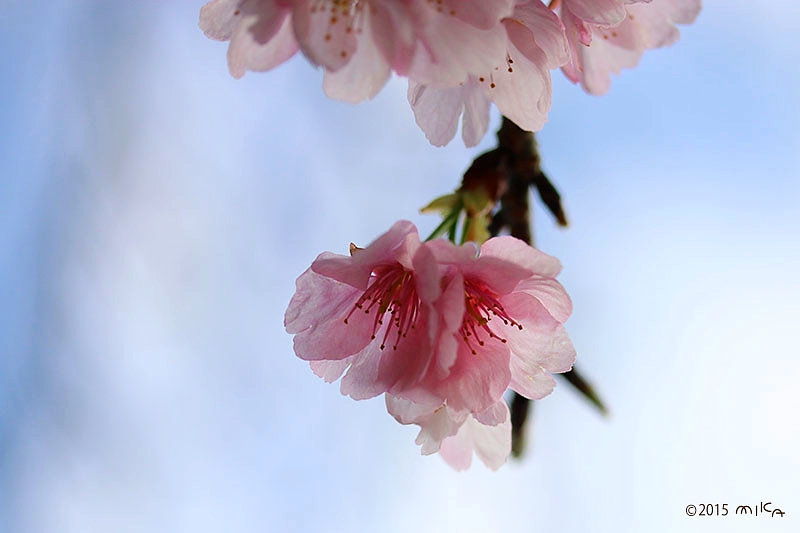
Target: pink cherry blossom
column 507, row 311
column 443, row 329
column 517, row 81
column 370, row 314
column 601, row 48
column 260, row 32
column 433, row 322
column 360, row 42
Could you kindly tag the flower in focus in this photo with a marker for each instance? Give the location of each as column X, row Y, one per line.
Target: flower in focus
column 508, row 313
column 370, row 314
column 599, row 46
column 440, row 328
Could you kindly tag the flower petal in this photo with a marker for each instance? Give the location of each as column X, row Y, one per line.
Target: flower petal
column 491, row 443
column 364, row 75
column 476, row 381
column 520, row 253
column 436, row 111
column 436, row 422
column 261, row 43
column 330, row 371
column 400, row 242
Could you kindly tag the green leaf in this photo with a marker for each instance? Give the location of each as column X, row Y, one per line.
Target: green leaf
column 585, row 388
column 443, row 204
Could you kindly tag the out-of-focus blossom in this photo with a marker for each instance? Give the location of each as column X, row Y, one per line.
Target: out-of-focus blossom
column 441, row 328
column 360, row 42
column 459, row 56
column 599, row 48
column 518, row 81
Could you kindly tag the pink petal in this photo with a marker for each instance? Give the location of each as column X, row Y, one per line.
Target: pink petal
column 545, row 30
column 394, row 34
column 448, row 253
column 405, row 367
column 542, row 345
column 451, row 305
column 517, row 251
column 436, row 111
column 316, row 315
column 426, row 274
column 330, row 337
column 457, row 452
column 330, row 371
column 399, row 243
column 475, row 120
column 602, row 12
column 219, row 18
column 436, row 422
column 496, row 414
column 323, row 34
column 656, row 21
column 531, row 380
column 364, row 75
column 491, row 443
column 317, row 297
column 407, row 412
column 500, row 275
column 361, row 380
column 648, row 25
column 261, row 42
column 551, row 294
column 476, row 381
column 478, row 13
column 543, row 339
column 522, row 92
column 450, row 49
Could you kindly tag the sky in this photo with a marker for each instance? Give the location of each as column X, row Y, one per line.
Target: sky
column 155, row 212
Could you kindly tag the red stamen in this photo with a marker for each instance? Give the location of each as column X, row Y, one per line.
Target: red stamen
column 391, row 290
column 481, row 305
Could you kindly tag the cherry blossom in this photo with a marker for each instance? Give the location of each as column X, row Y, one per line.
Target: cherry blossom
column 600, row 47
column 370, row 313
column 517, row 81
column 358, row 43
column 444, row 329
column 509, row 311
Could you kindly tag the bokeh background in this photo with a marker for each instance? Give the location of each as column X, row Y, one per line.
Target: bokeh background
column 154, row 214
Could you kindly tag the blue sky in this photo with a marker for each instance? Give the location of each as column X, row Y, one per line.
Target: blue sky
column 155, row 213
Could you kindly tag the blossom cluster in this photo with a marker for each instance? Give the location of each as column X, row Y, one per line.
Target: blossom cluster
column 459, row 55
column 441, row 330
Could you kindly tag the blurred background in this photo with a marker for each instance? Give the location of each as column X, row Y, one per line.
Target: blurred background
column 154, row 214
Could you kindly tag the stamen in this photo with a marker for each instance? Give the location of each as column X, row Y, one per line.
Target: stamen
column 341, row 16
column 481, row 305
column 391, row 290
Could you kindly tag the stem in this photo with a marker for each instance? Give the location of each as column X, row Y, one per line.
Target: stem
column 448, row 224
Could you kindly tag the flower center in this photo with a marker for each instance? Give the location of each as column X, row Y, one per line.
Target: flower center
column 391, row 290
column 481, row 305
